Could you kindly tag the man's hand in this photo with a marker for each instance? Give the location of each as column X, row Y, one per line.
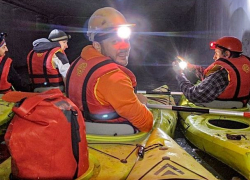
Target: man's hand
column 143, row 99
column 177, row 68
column 189, row 65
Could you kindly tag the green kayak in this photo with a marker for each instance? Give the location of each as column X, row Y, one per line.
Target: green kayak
column 152, row 155
column 225, row 137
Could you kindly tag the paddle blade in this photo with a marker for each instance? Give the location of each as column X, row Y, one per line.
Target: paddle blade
column 247, row 114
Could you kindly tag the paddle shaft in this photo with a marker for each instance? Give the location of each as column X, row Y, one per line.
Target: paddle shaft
column 200, row 110
column 155, row 92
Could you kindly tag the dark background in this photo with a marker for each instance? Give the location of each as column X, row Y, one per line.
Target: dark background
column 164, row 29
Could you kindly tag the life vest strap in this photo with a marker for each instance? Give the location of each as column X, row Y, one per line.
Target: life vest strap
column 84, row 89
column 42, row 76
column 237, row 90
column 5, row 90
column 71, row 68
column 2, row 64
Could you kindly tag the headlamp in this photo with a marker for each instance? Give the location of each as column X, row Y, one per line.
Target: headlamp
column 123, row 32
column 2, row 36
column 183, row 65
column 213, row 45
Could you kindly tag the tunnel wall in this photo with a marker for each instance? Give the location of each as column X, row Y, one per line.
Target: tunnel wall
column 163, row 30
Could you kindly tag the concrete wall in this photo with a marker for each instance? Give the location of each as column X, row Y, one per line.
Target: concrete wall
column 217, row 18
column 22, row 27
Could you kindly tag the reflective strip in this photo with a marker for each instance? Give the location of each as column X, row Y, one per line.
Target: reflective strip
column 223, row 112
column 159, row 92
column 200, row 110
column 60, row 38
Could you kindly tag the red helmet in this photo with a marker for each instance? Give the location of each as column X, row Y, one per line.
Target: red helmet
column 229, row 43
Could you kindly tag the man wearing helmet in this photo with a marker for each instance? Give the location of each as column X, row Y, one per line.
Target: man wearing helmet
column 47, row 61
column 225, row 83
column 9, row 78
column 98, row 82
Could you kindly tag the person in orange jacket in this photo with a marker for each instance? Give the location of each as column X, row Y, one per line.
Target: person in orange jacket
column 9, row 78
column 98, row 81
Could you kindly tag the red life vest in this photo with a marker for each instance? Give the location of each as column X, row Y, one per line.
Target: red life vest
column 5, row 85
column 238, row 70
column 41, row 70
column 83, row 76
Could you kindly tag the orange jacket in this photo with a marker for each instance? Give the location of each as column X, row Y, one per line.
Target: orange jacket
column 114, row 88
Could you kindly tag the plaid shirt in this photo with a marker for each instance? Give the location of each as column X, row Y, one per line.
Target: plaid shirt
column 208, row 89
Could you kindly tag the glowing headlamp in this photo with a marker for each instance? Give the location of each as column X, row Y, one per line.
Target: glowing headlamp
column 213, row 45
column 183, row 65
column 124, row 32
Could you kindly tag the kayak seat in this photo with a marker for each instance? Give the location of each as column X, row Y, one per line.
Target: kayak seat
column 222, row 104
column 113, row 129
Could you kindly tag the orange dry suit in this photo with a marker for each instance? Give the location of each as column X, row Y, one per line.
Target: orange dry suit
column 41, row 70
column 93, row 76
column 5, row 85
column 238, row 70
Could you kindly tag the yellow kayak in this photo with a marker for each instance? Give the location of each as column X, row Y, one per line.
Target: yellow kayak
column 5, row 114
column 224, row 137
column 153, row 155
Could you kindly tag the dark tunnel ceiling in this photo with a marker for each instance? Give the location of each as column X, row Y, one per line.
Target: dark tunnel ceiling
column 84, row 8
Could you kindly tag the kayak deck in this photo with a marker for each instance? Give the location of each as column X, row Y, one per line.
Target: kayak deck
column 227, row 138
column 152, row 155
column 5, row 114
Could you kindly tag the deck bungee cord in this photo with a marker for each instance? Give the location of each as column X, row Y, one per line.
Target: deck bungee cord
column 141, row 149
column 121, row 160
column 153, row 146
